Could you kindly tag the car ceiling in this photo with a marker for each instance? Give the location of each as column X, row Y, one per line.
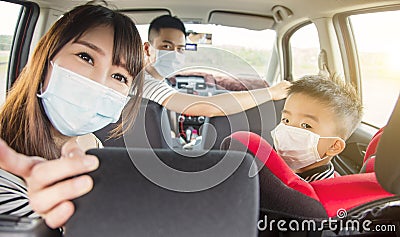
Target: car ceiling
column 200, row 10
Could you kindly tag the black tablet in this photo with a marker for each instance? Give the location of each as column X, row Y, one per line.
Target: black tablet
column 143, row 192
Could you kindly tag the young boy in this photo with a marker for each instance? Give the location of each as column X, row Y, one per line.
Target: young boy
column 320, row 113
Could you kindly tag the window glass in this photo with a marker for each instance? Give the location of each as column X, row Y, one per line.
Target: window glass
column 304, row 46
column 9, row 15
column 377, row 41
column 250, row 49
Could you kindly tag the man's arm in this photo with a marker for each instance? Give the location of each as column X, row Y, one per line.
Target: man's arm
column 224, row 104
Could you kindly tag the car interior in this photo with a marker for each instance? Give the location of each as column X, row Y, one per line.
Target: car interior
column 236, row 45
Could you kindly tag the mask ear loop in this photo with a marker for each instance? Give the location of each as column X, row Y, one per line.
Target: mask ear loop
column 323, row 158
column 40, row 89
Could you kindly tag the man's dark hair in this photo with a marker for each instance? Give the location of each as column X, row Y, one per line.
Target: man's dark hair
column 165, row 21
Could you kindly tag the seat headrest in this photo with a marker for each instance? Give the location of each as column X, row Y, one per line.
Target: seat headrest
column 387, row 164
column 151, row 129
column 373, row 144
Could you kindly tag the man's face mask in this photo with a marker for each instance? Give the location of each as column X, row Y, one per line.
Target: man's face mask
column 168, row 62
column 77, row 105
column 297, row 146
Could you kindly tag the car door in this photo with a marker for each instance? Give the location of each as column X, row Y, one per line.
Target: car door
column 373, row 44
column 18, row 23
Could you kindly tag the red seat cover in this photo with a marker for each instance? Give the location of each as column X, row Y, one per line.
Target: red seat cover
column 369, row 158
column 347, row 192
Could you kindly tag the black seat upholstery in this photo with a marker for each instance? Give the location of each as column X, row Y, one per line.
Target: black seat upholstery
column 260, row 120
column 150, row 130
column 387, row 158
column 125, row 203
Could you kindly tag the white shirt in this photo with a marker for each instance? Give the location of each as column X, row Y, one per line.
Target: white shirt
column 14, row 196
column 156, row 90
column 318, row 173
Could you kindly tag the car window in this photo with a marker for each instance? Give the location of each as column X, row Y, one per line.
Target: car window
column 9, row 15
column 378, row 48
column 244, row 53
column 304, row 48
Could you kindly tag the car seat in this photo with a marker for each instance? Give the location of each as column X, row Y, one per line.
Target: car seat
column 369, row 157
column 260, row 120
column 126, row 202
column 151, row 129
column 284, row 195
column 387, row 155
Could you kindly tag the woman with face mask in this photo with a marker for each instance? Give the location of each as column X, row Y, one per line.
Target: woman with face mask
column 82, row 74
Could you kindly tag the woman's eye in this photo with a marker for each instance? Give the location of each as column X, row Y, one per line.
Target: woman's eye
column 285, row 120
column 305, row 125
column 119, row 77
column 86, row 57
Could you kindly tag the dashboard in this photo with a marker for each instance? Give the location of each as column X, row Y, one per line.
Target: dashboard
column 189, row 128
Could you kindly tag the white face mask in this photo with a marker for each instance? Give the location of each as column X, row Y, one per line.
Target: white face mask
column 168, row 62
column 76, row 105
column 297, row 146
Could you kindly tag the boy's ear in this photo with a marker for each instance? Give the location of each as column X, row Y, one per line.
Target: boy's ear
column 337, row 147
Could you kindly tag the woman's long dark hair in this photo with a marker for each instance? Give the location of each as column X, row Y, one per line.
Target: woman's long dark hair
column 24, row 125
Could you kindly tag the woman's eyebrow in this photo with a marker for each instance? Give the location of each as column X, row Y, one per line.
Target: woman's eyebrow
column 90, row 45
column 98, row 49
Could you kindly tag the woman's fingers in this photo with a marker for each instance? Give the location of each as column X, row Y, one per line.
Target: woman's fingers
column 60, row 214
column 50, row 194
column 50, row 186
column 73, row 162
column 71, row 146
column 50, row 172
column 45, row 200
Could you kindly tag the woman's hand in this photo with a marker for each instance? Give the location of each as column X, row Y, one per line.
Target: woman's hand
column 280, row 90
column 50, row 186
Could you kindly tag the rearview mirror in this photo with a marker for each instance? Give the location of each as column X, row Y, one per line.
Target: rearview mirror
column 198, row 38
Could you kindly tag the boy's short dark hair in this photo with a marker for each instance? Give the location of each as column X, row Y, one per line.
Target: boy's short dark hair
column 165, row 21
column 332, row 91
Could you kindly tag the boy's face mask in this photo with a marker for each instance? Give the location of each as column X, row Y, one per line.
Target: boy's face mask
column 168, row 62
column 77, row 105
column 297, row 146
